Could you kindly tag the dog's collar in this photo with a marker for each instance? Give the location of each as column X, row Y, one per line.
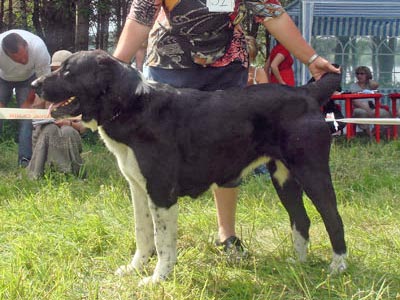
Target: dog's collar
column 114, row 117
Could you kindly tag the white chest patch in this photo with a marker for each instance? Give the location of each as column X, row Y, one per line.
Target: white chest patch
column 126, row 159
column 92, row 125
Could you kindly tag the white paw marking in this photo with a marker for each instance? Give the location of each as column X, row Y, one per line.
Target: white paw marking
column 338, row 264
column 300, row 244
column 124, row 270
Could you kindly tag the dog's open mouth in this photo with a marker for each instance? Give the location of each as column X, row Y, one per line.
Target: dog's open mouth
column 66, row 108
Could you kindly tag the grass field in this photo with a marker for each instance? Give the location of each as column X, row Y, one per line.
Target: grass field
column 62, row 237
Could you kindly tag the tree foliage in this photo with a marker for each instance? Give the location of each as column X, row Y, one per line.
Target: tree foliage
column 64, row 24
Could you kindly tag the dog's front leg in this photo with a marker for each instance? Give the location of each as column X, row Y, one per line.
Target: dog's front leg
column 165, row 234
column 143, row 229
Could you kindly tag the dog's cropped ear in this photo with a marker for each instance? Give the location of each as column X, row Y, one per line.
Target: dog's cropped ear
column 107, row 65
column 104, row 59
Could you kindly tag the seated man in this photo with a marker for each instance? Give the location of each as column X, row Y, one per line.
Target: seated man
column 56, row 143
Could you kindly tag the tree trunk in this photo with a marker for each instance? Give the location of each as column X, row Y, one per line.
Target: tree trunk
column 36, row 19
column 2, row 16
column 24, row 14
column 103, row 22
column 118, row 16
column 10, row 14
column 121, row 12
column 82, row 25
column 58, row 21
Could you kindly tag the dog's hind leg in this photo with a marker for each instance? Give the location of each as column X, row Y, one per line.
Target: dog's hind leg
column 143, row 230
column 316, row 181
column 165, row 234
column 290, row 194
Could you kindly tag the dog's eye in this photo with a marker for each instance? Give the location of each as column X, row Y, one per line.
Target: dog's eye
column 66, row 73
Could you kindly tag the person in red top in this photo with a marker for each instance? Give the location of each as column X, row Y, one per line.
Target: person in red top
column 279, row 66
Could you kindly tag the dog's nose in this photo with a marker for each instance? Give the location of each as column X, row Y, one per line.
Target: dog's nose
column 35, row 83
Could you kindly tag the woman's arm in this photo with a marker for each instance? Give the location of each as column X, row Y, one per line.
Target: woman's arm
column 131, row 39
column 286, row 32
column 278, row 59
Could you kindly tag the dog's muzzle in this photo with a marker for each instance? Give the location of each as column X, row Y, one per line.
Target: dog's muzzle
column 36, row 85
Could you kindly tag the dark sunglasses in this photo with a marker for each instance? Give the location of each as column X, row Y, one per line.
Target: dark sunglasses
column 360, row 73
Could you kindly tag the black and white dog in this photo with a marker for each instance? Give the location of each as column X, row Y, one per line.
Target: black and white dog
column 174, row 142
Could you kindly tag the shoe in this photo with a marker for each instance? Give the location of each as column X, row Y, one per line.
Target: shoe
column 233, row 247
column 261, row 170
column 23, row 162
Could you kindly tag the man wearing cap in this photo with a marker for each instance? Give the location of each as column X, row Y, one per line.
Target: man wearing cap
column 58, row 58
column 23, row 57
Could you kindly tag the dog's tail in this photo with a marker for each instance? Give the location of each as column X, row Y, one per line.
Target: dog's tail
column 323, row 89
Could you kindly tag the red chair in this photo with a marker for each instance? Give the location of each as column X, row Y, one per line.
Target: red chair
column 393, row 97
column 389, row 129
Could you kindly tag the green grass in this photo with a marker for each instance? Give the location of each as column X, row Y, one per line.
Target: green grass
column 62, row 237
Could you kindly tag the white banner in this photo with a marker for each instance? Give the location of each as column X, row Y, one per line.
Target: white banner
column 40, row 114
column 24, row 113
column 377, row 121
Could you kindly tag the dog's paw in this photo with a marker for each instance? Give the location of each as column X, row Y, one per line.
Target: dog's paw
column 338, row 264
column 125, row 270
column 292, row 260
column 136, row 265
column 150, row 280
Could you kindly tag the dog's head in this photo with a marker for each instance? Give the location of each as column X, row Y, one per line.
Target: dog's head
column 92, row 84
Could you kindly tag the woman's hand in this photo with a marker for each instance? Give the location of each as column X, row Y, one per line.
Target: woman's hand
column 320, row 66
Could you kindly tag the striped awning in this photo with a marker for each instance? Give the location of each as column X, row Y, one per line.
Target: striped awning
column 345, row 18
column 360, row 26
column 348, row 18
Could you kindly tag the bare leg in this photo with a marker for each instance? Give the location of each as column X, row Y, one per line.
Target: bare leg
column 225, row 202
